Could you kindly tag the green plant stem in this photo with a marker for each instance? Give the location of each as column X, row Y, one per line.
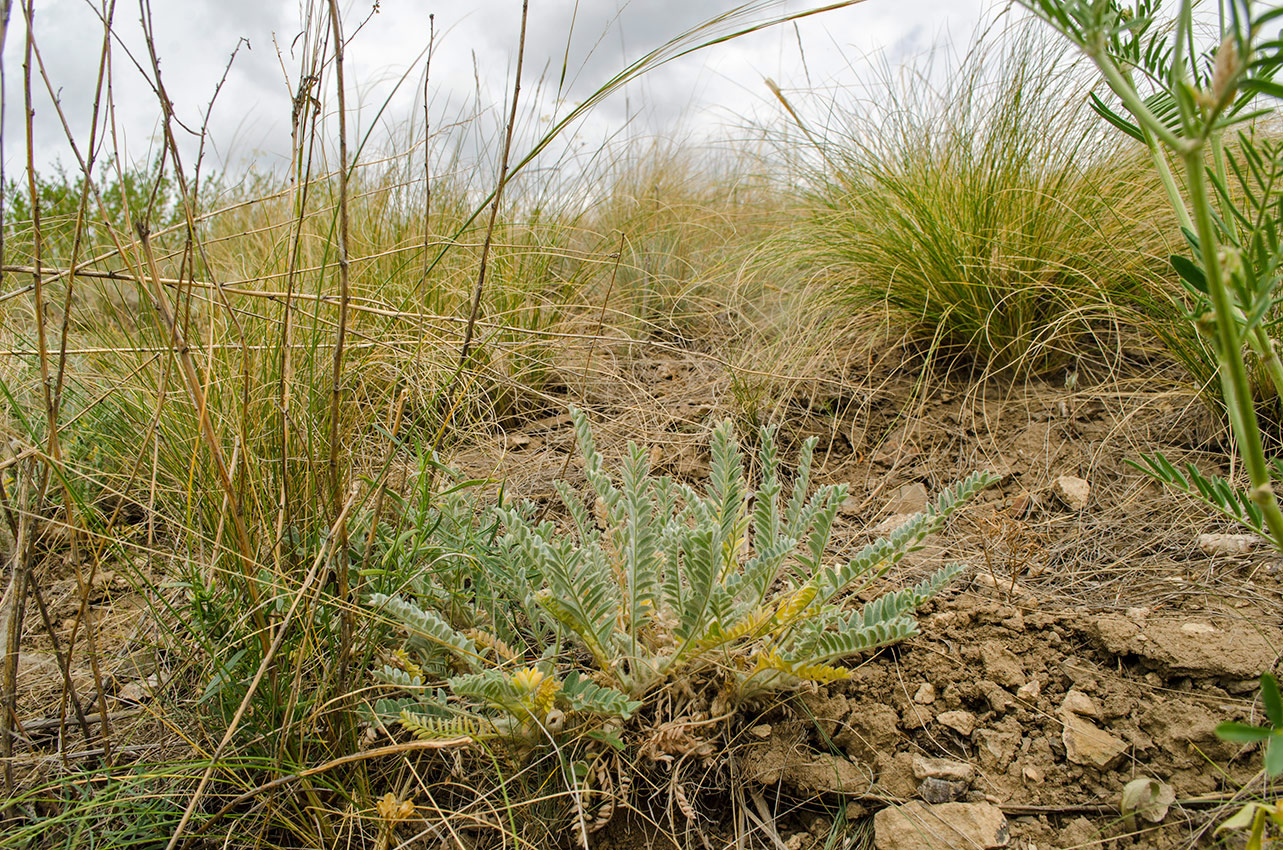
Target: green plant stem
column 1126, row 92
column 1233, row 371
column 1168, row 181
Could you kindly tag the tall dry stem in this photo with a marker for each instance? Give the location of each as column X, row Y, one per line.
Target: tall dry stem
column 494, row 208
column 336, row 391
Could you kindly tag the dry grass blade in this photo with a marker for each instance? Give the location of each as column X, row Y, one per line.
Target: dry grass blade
column 266, row 664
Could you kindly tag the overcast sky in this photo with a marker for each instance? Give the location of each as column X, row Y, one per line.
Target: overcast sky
column 717, row 91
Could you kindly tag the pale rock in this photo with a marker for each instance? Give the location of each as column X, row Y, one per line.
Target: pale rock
column 139, row 691
column 1080, row 832
column 1232, row 650
column 890, row 524
column 962, row 722
column 1029, row 691
column 997, row 697
column 954, row 771
column 871, row 729
column 1088, row 744
column 1005, row 586
column 895, row 775
column 1139, row 615
column 1227, row 544
column 996, row 749
column 1077, row 702
column 910, row 499
column 925, row 694
column 1073, row 491
column 1031, row 774
column 1001, row 664
column 918, row 826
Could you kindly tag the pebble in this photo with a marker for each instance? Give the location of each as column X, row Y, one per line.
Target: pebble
column 1073, row 491
column 962, row 722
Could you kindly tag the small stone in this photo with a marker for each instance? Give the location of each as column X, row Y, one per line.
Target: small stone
column 996, row 749
column 954, row 771
column 925, row 694
column 1088, row 744
column 762, row 730
column 1227, row 544
column 895, row 775
column 1029, row 691
column 870, row 730
column 910, row 499
column 1073, row 491
column 962, row 722
column 139, row 691
column 917, row 826
column 891, row 523
column 999, row 700
column 1031, row 774
column 1001, row 664
column 1005, row 586
column 1077, row 702
column 1139, row 615
column 934, row 790
column 1235, row 650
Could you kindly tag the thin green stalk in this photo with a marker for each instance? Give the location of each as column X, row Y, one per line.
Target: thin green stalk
column 1118, row 82
column 1233, row 371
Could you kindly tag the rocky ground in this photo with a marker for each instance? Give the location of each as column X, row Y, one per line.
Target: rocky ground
column 1104, row 629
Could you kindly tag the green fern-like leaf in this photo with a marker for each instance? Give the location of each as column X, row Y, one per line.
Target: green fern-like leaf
column 841, row 644
column 580, row 591
column 795, row 526
column 876, row 557
column 492, row 686
column 766, row 501
column 585, row 695
column 1215, row 492
column 584, row 526
column 726, row 493
column 701, row 565
column 818, row 526
column 429, row 727
column 399, row 678
column 891, row 605
column 593, row 467
column 761, row 571
column 426, row 625
column 639, row 542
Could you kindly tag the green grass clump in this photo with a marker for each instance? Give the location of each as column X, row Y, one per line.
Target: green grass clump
column 989, row 211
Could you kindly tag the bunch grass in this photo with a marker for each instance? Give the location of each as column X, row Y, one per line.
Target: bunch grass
column 979, row 202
